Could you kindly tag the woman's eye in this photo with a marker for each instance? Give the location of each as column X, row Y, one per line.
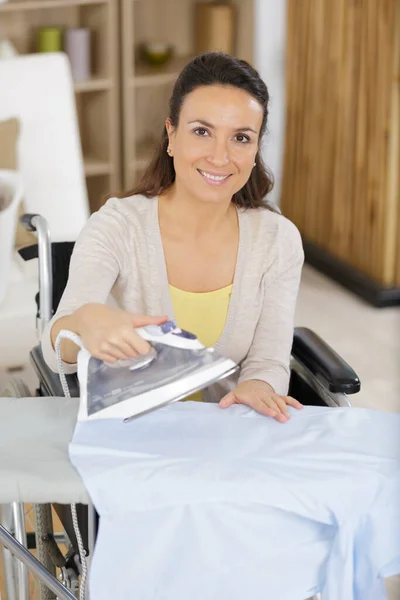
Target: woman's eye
column 242, row 138
column 200, row 131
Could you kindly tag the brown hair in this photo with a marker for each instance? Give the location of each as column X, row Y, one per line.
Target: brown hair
column 213, row 68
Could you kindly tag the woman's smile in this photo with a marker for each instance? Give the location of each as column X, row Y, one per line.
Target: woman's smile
column 212, row 178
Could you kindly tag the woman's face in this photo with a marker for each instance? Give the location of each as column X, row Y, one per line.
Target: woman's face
column 216, row 142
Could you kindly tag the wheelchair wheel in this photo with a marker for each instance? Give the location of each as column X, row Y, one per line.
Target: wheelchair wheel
column 42, row 525
column 44, row 528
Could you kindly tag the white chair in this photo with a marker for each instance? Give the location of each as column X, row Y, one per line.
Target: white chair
column 38, row 90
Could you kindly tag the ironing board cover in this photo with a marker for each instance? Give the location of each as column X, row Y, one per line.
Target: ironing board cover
column 203, row 503
column 34, row 462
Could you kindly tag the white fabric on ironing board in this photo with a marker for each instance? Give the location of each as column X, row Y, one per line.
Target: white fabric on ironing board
column 34, row 461
column 199, row 502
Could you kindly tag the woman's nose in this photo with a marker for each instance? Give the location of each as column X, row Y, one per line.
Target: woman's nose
column 219, row 155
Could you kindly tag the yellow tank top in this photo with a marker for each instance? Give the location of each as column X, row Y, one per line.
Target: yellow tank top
column 203, row 314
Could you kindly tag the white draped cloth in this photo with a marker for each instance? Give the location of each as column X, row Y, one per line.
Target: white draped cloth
column 201, row 503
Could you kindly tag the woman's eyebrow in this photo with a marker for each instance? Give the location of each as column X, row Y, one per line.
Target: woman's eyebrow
column 210, row 126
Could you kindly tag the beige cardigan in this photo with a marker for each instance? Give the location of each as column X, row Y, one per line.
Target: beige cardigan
column 119, row 257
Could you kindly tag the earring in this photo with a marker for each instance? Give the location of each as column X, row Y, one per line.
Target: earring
column 254, row 164
column 169, row 151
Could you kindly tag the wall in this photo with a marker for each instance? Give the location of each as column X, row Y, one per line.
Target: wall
column 269, row 53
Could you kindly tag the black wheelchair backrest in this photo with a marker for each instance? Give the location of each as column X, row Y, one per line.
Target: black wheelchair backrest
column 61, row 256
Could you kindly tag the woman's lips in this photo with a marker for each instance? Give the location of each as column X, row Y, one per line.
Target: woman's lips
column 214, row 178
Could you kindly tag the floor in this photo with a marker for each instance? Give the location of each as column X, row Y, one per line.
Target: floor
column 367, row 338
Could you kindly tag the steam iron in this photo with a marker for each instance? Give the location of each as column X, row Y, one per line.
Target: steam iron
column 177, row 366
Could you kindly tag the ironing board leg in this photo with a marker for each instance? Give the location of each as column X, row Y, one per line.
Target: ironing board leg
column 6, row 519
column 20, row 536
column 36, row 567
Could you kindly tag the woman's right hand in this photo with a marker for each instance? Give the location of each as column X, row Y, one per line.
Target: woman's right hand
column 109, row 333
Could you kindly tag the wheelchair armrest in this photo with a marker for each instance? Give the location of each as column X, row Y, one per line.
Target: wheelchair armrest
column 51, row 381
column 323, row 362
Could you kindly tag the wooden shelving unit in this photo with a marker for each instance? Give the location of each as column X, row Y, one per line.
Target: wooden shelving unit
column 147, row 76
column 146, row 90
column 17, row 5
column 97, row 100
column 95, row 84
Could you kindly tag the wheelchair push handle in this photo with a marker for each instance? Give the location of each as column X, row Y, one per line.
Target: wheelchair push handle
column 37, row 223
column 28, row 221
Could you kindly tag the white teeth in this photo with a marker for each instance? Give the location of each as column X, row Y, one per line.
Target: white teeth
column 214, row 177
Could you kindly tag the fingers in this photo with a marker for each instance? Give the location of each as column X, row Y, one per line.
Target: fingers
column 105, row 357
column 254, row 402
column 124, row 347
column 110, row 334
column 272, row 405
column 228, row 400
column 280, row 405
column 269, row 411
column 265, row 406
column 111, row 350
column 293, row 402
column 135, row 341
column 143, row 320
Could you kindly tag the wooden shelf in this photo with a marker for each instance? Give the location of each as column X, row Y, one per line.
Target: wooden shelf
column 94, row 166
column 147, row 75
column 19, row 5
column 96, row 84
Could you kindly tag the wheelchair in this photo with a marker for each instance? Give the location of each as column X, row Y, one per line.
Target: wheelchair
column 319, row 376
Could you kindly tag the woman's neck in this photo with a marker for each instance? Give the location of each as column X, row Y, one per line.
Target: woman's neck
column 193, row 216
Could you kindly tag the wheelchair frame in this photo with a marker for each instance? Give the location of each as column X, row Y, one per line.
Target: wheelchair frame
column 316, row 369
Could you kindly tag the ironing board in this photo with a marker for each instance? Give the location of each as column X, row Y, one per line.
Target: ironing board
column 146, row 459
column 34, row 462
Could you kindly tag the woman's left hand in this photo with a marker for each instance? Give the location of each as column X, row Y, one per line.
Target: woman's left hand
column 260, row 396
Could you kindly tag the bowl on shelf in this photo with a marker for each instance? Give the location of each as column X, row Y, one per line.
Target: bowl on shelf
column 156, row 54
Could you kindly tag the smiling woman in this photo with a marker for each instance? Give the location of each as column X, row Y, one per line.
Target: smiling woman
column 195, row 242
column 216, row 149
column 224, row 101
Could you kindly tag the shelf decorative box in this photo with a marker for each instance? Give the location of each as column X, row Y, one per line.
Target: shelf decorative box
column 49, row 39
column 77, row 47
column 215, row 24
